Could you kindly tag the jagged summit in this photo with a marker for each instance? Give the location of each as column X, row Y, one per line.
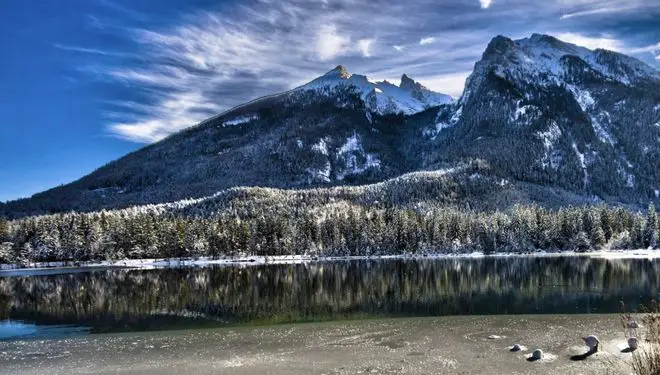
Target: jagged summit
column 409, row 84
column 499, row 45
column 380, row 96
column 546, row 60
column 339, row 72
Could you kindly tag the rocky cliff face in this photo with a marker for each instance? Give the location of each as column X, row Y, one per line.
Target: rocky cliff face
column 551, row 112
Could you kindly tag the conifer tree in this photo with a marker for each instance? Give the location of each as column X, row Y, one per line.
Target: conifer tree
column 651, row 228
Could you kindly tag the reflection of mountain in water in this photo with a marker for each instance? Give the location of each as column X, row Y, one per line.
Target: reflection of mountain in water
column 151, row 299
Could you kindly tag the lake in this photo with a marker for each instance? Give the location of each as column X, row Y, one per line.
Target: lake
column 54, row 304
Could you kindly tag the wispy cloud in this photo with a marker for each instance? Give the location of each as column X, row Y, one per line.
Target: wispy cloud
column 597, row 11
column 652, row 48
column 427, row 40
column 92, row 51
column 451, row 84
column 211, row 61
column 592, row 42
column 118, row 7
column 330, row 43
column 365, row 46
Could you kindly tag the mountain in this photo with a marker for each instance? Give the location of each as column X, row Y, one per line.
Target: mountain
column 550, row 112
column 337, row 129
column 409, row 97
column 540, row 113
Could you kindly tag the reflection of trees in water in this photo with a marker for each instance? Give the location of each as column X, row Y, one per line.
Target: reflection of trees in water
column 277, row 293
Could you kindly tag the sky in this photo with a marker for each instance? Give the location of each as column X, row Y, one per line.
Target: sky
column 83, row 82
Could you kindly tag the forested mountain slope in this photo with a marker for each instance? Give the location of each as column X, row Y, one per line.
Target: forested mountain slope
column 447, row 211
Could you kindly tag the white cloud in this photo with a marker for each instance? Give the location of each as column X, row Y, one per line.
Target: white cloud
column 330, row 43
column 172, row 114
column 365, row 46
column 427, row 40
column 653, row 48
column 591, row 42
column 451, row 84
column 591, row 12
column 93, row 51
column 485, row 3
column 398, row 48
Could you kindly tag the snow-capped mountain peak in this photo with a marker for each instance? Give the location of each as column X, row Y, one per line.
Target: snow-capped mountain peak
column 382, row 97
column 338, row 72
column 408, row 83
column 547, row 61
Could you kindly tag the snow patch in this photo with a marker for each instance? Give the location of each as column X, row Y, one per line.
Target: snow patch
column 549, row 137
column 321, row 147
column 618, row 105
column 299, row 143
column 352, row 144
column 522, row 111
column 433, row 132
column 583, row 165
column 600, row 130
column 240, row 120
column 456, row 116
column 320, row 174
column 350, row 151
column 250, row 261
column 583, row 97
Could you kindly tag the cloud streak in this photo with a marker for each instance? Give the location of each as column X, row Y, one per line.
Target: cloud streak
column 602, row 42
column 427, row 40
column 92, row 51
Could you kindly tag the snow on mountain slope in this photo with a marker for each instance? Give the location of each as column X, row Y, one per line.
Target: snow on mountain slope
column 579, row 118
column 546, row 60
column 383, row 97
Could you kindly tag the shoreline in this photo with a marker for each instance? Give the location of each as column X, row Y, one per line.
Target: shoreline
column 156, row 263
column 477, row 345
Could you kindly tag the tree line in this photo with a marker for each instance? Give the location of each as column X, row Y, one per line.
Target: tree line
column 336, row 229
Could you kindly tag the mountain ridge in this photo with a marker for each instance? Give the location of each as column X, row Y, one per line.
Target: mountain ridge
column 537, row 109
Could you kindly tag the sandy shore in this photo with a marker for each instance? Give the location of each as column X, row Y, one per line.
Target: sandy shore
column 444, row 345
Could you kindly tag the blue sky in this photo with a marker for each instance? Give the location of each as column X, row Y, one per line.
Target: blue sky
column 83, row 82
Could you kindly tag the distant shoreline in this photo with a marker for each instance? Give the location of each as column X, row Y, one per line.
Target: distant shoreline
column 156, row 263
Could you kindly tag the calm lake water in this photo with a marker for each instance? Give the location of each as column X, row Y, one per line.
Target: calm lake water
column 117, row 300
